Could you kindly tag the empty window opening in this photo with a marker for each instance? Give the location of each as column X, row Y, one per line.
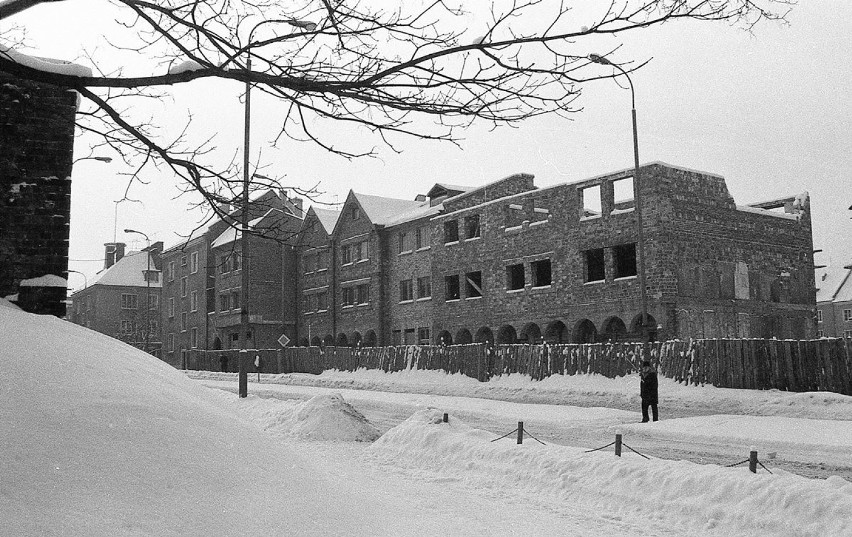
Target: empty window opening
column 591, row 198
column 540, row 215
column 624, row 260
column 474, row 284
column 623, row 194
column 424, row 287
column 406, row 241
column 452, row 287
column 541, row 272
column 595, row 269
column 424, row 335
column 515, row 277
column 423, row 238
column 471, row 226
column 451, row 231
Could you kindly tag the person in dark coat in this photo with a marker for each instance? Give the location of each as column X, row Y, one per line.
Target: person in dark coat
column 648, row 390
column 223, row 363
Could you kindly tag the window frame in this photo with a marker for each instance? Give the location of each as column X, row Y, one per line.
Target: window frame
column 448, row 279
column 512, row 271
column 472, row 231
column 406, row 290
column 193, row 262
column 451, row 231
column 534, row 272
column 472, row 288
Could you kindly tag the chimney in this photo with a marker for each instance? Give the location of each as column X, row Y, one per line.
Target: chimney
column 113, row 252
column 420, row 197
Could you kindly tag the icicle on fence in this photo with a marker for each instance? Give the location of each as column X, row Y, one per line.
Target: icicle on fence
column 812, row 365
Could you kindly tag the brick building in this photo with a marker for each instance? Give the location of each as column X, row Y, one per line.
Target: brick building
column 187, row 274
column 315, row 287
column 834, row 302
column 124, row 301
column 37, row 138
column 508, row 262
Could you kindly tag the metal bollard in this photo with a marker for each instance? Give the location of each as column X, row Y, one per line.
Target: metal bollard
column 520, row 432
column 752, row 460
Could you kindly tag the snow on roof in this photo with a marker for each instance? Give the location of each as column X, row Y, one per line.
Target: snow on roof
column 232, row 234
column 844, row 291
column 48, row 280
column 128, row 271
column 381, row 210
column 48, row 65
column 327, row 217
column 828, row 281
column 420, row 212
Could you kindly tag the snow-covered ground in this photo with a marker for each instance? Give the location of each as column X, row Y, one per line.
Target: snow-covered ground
column 101, row 439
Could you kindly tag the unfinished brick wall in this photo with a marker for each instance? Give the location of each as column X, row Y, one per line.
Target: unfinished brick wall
column 37, row 137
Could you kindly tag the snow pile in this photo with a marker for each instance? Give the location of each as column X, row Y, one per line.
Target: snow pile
column 48, row 280
column 47, row 65
column 6, row 304
column 100, row 438
column 323, row 417
column 693, row 498
column 185, row 67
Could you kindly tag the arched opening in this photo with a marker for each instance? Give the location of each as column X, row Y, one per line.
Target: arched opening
column 463, row 337
column 507, row 335
column 316, row 342
column 636, row 328
column 531, row 334
column 484, row 335
column 356, row 339
column 444, row 338
column 303, row 342
column 328, row 341
column 585, row 332
column 217, row 344
column 556, row 333
column 342, row 340
column 369, row 339
column 614, row 329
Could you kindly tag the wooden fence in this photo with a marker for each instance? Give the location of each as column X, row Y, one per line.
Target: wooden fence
column 812, row 365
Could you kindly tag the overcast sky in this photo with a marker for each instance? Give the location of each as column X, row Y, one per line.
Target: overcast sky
column 769, row 111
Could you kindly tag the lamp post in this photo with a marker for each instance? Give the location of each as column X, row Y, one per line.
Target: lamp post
column 147, row 288
column 244, row 217
column 637, row 188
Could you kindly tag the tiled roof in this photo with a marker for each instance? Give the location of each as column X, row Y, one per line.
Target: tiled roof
column 381, row 210
column 829, row 281
column 129, row 270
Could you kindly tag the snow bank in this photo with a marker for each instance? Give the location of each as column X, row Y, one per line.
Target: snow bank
column 693, row 498
column 323, row 417
column 48, row 280
column 100, row 438
column 6, row 304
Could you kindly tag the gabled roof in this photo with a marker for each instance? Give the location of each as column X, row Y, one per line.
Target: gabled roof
column 830, row 281
column 128, row 271
column 441, row 189
column 232, row 234
column 844, row 292
column 381, row 210
column 327, row 217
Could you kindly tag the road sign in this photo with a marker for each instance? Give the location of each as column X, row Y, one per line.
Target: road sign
column 283, row 340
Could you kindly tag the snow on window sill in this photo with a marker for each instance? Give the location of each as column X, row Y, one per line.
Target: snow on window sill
column 622, row 211
column 537, row 287
column 409, row 301
column 407, row 252
column 322, row 270
column 424, row 299
column 362, row 261
column 512, row 229
column 473, row 298
column 478, row 237
column 452, row 300
column 623, row 278
column 423, row 249
column 322, row 311
column 593, row 217
column 538, row 223
column 451, row 243
column 595, row 282
column 521, row 290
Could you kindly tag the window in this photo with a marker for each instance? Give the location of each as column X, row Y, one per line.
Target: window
column 224, row 302
column 183, row 321
column 424, row 335
column 363, row 293
column 820, row 333
column 171, row 307
column 126, row 327
column 348, row 296
column 847, row 315
column 591, row 199
column 471, row 226
column 193, row 301
column 406, row 290
column 225, row 264
column 183, row 260
column 183, row 286
column 409, row 336
column 423, row 238
column 594, row 260
column 129, row 302
column 451, row 231
column 193, row 337
column 424, row 287
column 819, row 316
column 451, row 284
column 406, row 243
column 397, row 337
column 193, row 262
column 345, row 254
column 151, row 275
column 356, row 214
column 473, row 289
column 322, row 262
column 847, row 334
column 515, row 277
column 235, row 300
column 237, row 260
column 171, row 271
column 153, row 326
column 624, row 260
column 171, row 343
column 541, row 275
column 360, row 251
column 322, row 301
column 153, row 302
column 310, row 262
column 622, row 190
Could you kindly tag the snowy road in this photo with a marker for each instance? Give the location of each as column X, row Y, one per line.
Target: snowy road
column 593, row 427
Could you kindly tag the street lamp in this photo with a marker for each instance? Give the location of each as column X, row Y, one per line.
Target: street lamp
column 85, row 279
column 147, row 288
column 637, row 188
column 244, row 217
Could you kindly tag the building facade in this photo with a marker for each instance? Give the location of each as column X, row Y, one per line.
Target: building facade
column 834, row 302
column 185, row 299
column 124, row 301
column 509, row 263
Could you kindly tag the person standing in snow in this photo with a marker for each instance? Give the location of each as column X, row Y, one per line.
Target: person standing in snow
column 648, row 390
